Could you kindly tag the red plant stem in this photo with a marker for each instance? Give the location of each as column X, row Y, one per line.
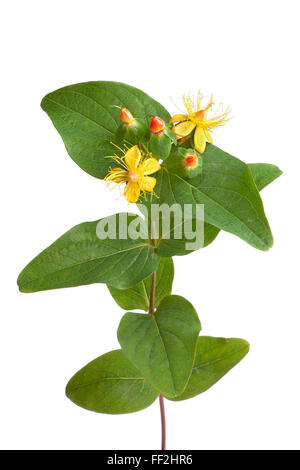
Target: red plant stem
column 163, row 422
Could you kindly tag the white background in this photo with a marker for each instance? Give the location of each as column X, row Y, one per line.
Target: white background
column 247, row 53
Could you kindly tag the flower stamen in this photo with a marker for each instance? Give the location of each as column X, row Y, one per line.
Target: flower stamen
column 197, row 121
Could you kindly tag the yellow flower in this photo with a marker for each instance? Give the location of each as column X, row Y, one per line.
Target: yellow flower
column 134, row 171
column 196, row 118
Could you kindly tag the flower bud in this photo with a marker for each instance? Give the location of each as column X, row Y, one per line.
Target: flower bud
column 126, row 116
column 131, row 129
column 186, row 163
column 157, row 125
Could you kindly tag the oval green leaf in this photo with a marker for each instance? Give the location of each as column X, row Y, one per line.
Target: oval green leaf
column 262, row 173
column 86, row 117
column 214, row 358
column 162, row 346
column 111, row 384
column 79, row 257
column 227, row 190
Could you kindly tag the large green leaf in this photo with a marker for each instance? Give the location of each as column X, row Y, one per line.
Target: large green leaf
column 111, row 384
column 264, row 173
column 214, row 358
column 87, row 119
column 79, row 257
column 162, row 346
column 138, row 297
column 227, row 190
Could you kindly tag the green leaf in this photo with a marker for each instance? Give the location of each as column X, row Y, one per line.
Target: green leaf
column 264, row 174
column 162, row 346
column 85, row 116
column 138, row 297
column 79, row 257
column 111, row 384
column 227, row 190
column 214, row 358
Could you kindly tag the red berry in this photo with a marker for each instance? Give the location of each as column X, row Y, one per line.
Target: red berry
column 191, row 160
column 157, row 125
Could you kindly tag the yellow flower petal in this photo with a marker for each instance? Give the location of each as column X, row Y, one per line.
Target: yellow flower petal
column 133, row 157
column 148, row 166
column 147, row 184
column 178, row 117
column 208, row 136
column 184, row 128
column 132, row 192
column 199, row 139
column 117, row 175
